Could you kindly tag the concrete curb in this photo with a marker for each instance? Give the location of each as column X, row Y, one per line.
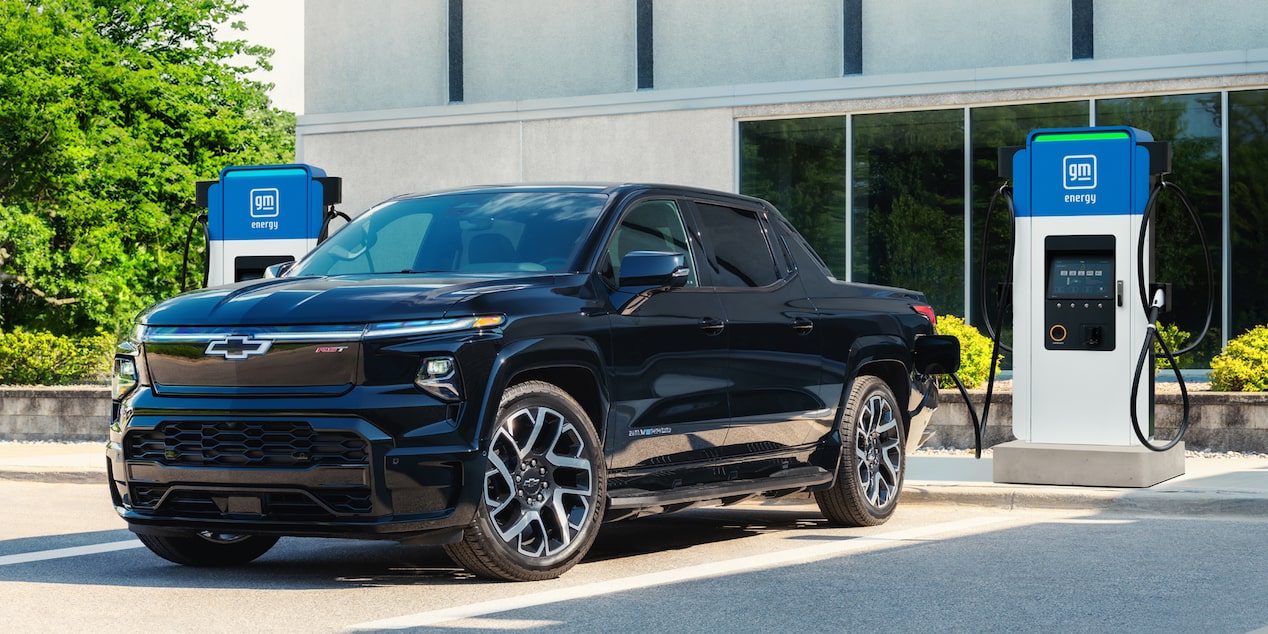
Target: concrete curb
column 1135, row 501
column 53, row 475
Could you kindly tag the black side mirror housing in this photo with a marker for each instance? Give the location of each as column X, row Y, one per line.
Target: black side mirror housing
column 278, row 269
column 937, row 354
column 652, row 269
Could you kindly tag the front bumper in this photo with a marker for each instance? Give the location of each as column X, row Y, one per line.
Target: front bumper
column 312, row 467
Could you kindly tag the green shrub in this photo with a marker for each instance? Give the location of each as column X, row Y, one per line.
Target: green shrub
column 1243, row 366
column 41, row 358
column 1174, row 337
column 975, row 352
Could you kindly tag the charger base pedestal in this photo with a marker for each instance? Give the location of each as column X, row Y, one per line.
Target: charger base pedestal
column 1019, row 462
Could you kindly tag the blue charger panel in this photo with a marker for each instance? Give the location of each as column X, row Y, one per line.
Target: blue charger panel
column 272, row 202
column 1082, row 172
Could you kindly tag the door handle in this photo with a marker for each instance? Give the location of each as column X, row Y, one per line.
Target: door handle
column 803, row 326
column 712, row 326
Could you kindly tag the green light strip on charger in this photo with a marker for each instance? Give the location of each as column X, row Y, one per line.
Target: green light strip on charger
column 1081, row 136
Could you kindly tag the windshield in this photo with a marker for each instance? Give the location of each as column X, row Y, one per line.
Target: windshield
column 478, row 232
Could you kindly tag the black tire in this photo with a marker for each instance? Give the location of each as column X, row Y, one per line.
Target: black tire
column 544, row 489
column 870, row 476
column 208, row 548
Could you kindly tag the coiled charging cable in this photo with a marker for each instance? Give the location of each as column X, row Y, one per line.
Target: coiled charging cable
column 1152, row 307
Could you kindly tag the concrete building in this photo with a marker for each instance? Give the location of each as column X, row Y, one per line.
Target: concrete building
column 872, row 124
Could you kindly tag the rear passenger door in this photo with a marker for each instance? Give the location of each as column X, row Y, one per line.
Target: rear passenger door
column 776, row 398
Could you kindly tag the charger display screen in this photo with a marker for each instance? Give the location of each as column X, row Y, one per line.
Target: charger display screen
column 1081, row 276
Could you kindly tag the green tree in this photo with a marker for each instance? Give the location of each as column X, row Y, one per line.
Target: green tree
column 110, row 110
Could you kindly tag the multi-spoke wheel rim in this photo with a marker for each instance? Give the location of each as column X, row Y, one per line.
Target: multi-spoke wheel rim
column 878, row 452
column 539, row 485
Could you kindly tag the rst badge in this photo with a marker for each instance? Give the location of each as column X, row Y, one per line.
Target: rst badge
column 237, row 347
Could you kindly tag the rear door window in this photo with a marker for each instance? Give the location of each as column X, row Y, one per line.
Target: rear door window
column 740, row 253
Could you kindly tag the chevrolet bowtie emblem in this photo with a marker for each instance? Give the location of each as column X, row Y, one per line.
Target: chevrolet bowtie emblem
column 237, row 347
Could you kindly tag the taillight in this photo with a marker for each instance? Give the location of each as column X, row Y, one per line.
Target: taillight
column 927, row 311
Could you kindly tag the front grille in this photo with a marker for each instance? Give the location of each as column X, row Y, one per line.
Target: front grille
column 245, row 444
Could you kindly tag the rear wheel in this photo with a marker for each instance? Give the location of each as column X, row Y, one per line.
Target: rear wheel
column 544, row 489
column 870, row 475
column 208, row 548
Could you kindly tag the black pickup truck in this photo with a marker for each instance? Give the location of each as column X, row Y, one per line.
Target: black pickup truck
column 500, row 370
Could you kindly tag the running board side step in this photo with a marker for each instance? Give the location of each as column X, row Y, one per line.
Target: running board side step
column 713, row 493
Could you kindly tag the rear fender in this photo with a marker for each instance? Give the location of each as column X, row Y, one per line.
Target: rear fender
column 889, row 358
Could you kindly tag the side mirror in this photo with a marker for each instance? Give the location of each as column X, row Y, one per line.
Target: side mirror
column 653, row 269
column 937, row 354
column 278, row 269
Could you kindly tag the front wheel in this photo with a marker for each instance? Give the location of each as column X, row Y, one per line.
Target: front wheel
column 543, row 490
column 870, row 475
column 208, row 548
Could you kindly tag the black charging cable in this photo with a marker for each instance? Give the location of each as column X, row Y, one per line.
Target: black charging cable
column 327, row 218
column 1004, row 193
column 1152, row 307
column 189, row 237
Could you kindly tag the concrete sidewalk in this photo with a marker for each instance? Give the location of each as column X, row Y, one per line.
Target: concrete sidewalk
column 75, row 462
column 1217, row 484
column 1212, row 485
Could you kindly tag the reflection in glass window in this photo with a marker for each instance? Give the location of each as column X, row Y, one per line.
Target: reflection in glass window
column 990, row 129
column 799, row 165
column 1248, row 209
column 461, row 232
column 909, row 203
column 906, row 180
column 1191, row 123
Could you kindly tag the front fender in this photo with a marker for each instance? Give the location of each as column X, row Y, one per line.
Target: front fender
column 539, row 355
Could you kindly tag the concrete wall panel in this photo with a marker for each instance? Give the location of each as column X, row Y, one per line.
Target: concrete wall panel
column 1140, row 28
column 931, row 35
column 380, row 164
column 375, row 55
column 691, row 147
column 528, row 49
column 723, row 42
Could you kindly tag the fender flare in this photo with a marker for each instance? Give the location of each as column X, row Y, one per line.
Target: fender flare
column 539, row 354
column 891, row 356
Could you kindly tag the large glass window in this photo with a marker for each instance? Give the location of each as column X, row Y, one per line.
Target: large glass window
column 1248, row 209
column 906, row 183
column 993, row 128
column 799, row 165
column 908, row 213
column 1191, row 123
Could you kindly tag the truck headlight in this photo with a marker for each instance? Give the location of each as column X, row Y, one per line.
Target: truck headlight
column 123, row 377
column 438, row 376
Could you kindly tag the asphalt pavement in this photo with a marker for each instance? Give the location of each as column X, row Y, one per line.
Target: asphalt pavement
column 1233, row 485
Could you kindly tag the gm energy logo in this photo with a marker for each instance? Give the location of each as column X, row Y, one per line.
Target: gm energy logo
column 1080, row 171
column 264, row 202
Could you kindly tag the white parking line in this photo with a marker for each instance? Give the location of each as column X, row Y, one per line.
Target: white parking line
column 74, row 551
column 769, row 560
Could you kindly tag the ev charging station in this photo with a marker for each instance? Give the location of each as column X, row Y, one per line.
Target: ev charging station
column 261, row 215
column 1078, row 324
